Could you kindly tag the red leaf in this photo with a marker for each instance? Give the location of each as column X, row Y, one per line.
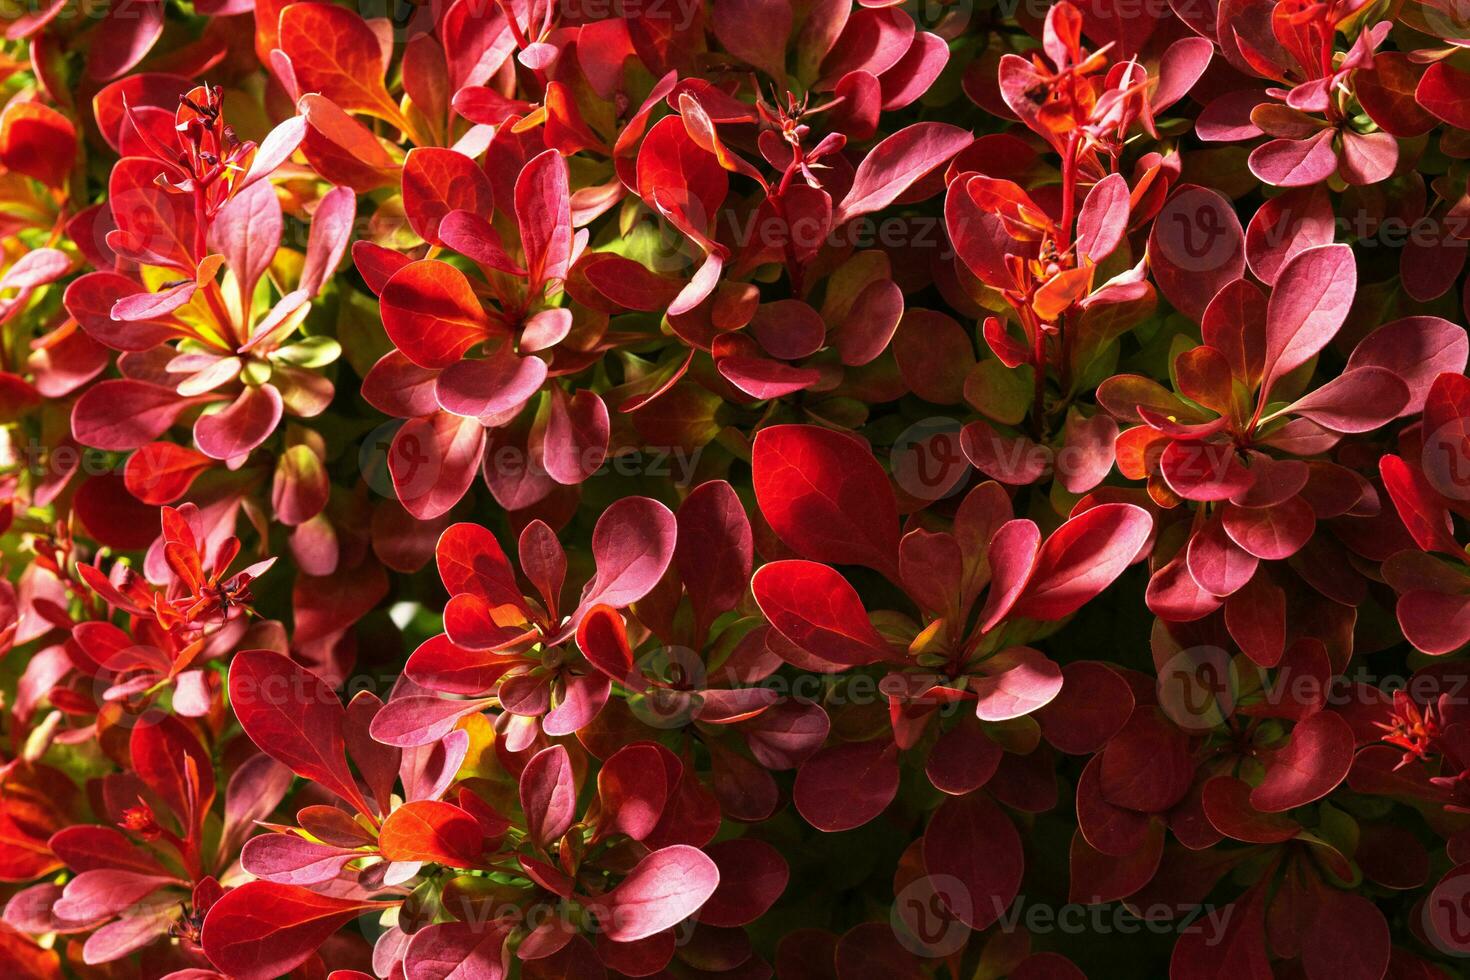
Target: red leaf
column 336, row 54
column 294, row 718
column 1311, row 764
column 972, row 840
column 632, row 788
column 548, row 794
column 1083, row 557
column 815, row 609
column 847, row 785
column 262, row 930
column 896, row 164
column 753, row 874
column 1442, row 91
column 714, row 550
column 438, row 181
column 543, row 211
column 665, row 888
column 431, row 313
column 1308, row 304
column 826, row 496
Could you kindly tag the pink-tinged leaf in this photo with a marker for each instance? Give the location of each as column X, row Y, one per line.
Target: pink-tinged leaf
column 1417, row 349
column 241, row 426
column 432, row 831
column 1216, row 562
column 1012, row 557
column 814, row 608
column 416, row 720
column 1359, row 400
column 1014, row 683
column 1205, row 471
column 291, row 860
column 262, row 930
column 548, row 795
column 151, row 921
column 574, row 444
column 457, row 951
column 1285, row 225
column 1195, row 248
column 847, row 785
column 763, row 378
column 915, row 72
column 1307, row 307
column 1295, row 162
column 546, row 329
column 489, row 387
column 972, row 840
column 1446, row 429
column 826, row 496
column 437, row 181
column 1103, row 218
column 433, row 460
column 1231, row 946
column 91, row 298
column 331, row 230
column 1367, row 158
column 543, row 211
column 1083, row 557
column 633, row 543
column 664, row 888
column 153, row 306
column 1434, row 622
column 582, row 698
column 1270, row 533
column 104, row 892
column 125, row 414
column 1016, row 461
column 1311, row 764
column 1087, row 453
column 247, row 232
column 871, row 324
column 431, row 314
column 274, row 150
column 131, row 30
column 897, row 163
column 293, row 717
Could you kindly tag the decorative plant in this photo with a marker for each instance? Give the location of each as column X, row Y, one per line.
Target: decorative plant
column 734, row 489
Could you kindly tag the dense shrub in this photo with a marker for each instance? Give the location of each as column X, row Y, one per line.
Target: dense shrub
column 736, row 489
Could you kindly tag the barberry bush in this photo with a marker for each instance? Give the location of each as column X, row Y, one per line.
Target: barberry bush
column 906, row 490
